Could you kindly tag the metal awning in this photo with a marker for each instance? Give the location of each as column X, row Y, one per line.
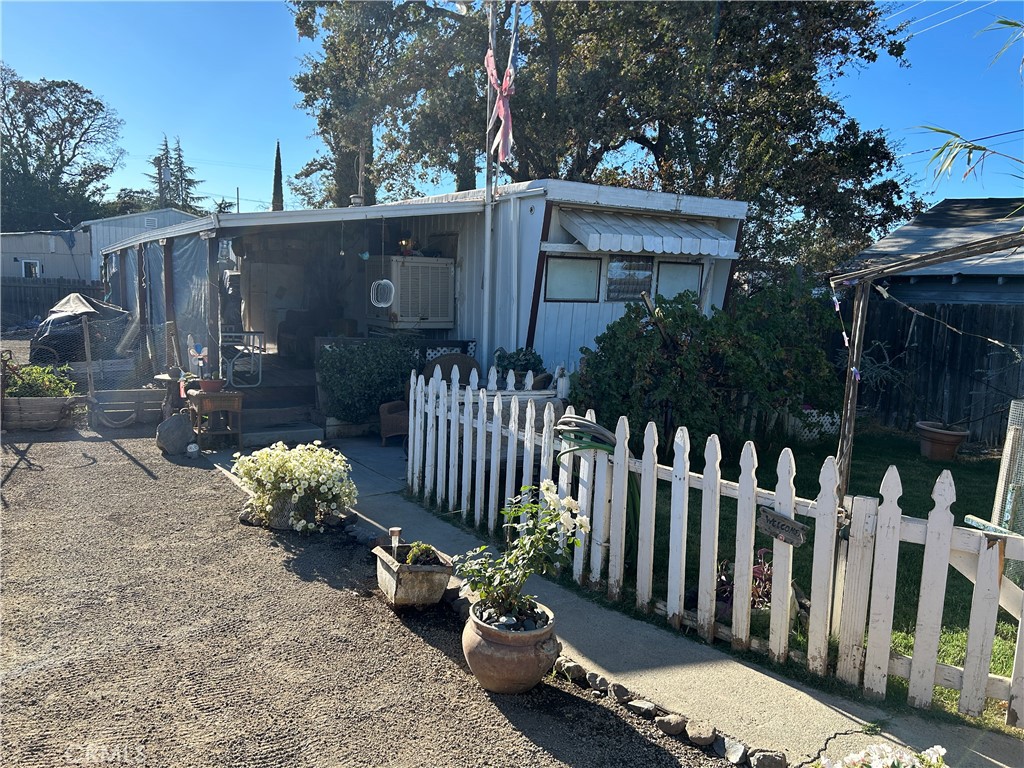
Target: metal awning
column 610, row 231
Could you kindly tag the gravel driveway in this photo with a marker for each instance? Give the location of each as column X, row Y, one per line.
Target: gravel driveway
column 142, row 624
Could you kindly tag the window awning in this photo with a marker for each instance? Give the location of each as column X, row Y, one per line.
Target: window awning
column 627, row 233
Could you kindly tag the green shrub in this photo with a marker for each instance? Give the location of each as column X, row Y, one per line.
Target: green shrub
column 358, row 378
column 731, row 374
column 523, row 359
column 40, row 381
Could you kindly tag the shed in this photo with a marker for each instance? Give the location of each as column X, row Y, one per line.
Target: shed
column 103, row 232
column 566, row 257
column 950, row 330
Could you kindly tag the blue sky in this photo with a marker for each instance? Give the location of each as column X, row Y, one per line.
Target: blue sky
column 217, row 75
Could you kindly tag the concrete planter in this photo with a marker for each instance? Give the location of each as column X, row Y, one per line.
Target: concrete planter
column 404, row 584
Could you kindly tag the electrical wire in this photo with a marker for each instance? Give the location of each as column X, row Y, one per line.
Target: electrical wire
column 965, row 13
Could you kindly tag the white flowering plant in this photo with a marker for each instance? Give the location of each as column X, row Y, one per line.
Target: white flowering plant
column 888, row 756
column 542, row 529
column 310, row 481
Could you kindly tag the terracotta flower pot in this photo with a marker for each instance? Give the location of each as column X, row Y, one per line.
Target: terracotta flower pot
column 212, row 385
column 937, row 443
column 505, row 661
column 404, row 584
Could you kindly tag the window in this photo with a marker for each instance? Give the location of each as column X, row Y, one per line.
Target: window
column 572, row 279
column 675, row 277
column 628, row 276
column 30, row 268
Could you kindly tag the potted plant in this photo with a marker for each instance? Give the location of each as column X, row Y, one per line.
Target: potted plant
column 939, row 441
column 36, row 396
column 509, row 640
column 301, row 488
column 520, row 362
column 412, row 574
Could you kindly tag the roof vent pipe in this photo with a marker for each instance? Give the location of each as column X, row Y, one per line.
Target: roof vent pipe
column 355, row 200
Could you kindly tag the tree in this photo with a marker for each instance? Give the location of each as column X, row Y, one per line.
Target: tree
column 277, row 199
column 719, row 99
column 174, row 180
column 60, row 143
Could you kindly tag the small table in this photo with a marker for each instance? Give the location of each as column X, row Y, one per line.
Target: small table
column 216, row 413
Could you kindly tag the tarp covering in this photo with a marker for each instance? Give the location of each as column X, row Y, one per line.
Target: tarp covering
column 78, row 304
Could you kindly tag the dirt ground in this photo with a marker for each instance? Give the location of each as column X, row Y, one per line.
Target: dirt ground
column 142, row 624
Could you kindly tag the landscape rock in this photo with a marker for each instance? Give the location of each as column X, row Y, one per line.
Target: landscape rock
column 701, row 732
column 733, row 751
column 174, row 434
column 620, row 692
column 672, row 725
column 597, row 682
column 767, row 759
column 642, row 708
column 575, row 672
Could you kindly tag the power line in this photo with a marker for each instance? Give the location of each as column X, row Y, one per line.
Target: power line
column 904, row 10
column 937, row 13
column 965, row 13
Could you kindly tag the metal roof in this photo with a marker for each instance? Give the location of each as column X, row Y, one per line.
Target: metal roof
column 952, row 224
column 629, row 233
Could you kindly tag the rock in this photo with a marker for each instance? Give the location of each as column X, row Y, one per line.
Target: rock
column 735, row 751
column 529, row 625
column 174, row 434
column 701, row 732
column 642, row 708
column 574, row 672
column 597, row 682
column 766, row 759
column 673, row 725
column 246, row 516
column 620, row 692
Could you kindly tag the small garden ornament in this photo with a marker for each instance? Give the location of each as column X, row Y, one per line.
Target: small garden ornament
column 302, row 488
column 509, row 640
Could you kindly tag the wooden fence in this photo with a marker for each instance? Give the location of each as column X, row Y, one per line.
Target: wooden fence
column 472, row 448
column 23, row 298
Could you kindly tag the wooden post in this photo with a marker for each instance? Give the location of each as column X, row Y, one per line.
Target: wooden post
column 88, row 355
column 213, row 304
column 844, row 453
column 172, row 352
column 122, row 277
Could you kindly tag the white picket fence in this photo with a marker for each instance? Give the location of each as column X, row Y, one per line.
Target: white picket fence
column 472, row 448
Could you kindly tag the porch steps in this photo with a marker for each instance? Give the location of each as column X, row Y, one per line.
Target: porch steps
column 292, row 434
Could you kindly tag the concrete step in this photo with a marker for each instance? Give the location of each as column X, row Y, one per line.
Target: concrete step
column 292, row 434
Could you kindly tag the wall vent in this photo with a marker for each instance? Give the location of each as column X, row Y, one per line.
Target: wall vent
column 150, row 222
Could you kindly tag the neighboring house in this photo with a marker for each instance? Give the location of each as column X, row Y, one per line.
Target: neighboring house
column 561, row 261
column 103, row 232
column 929, row 370
column 63, row 254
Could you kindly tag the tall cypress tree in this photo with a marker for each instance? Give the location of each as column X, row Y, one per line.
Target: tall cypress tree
column 277, row 201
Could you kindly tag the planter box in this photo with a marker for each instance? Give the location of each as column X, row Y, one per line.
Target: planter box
column 40, row 413
column 411, row 584
column 122, row 407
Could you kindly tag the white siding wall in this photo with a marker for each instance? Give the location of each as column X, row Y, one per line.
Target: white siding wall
column 109, row 231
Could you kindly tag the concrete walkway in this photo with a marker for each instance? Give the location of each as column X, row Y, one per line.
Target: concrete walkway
column 760, row 709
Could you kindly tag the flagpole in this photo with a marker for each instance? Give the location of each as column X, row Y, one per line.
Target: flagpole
column 485, row 335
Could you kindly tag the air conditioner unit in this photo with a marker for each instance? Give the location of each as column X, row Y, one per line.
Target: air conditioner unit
column 424, row 294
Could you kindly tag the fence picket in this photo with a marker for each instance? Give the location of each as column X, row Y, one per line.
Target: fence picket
column 1015, row 705
column 481, row 454
column 492, row 378
column 709, row 516
column 883, row 586
column 648, row 504
column 617, row 513
column 442, row 442
column 547, row 444
column 584, row 497
column 858, row 579
column 679, row 514
column 933, row 593
column 510, row 381
column 467, row 451
column 474, row 379
column 511, row 451
column 414, row 423
column 743, row 573
column 453, row 443
column 529, row 440
column 822, row 567
column 782, row 562
column 981, row 628
column 565, row 467
column 492, row 491
column 429, row 470
column 599, row 520
column 416, row 448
